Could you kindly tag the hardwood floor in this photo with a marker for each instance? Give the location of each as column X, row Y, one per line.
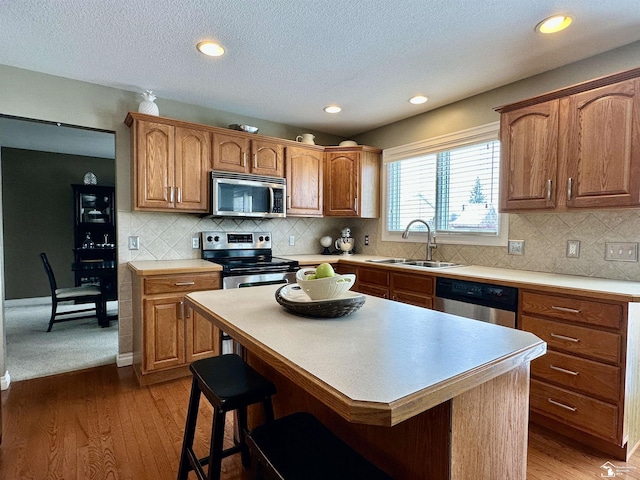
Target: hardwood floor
column 98, row 424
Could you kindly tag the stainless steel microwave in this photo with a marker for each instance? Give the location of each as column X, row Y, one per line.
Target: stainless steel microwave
column 243, row 195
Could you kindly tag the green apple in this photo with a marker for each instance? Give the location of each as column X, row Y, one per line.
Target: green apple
column 325, row 270
column 311, row 277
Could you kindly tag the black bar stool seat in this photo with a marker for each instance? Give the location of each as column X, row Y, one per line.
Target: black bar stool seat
column 229, row 384
column 299, row 447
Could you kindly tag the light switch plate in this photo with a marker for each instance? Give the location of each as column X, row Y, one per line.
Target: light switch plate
column 516, row 247
column 621, row 251
column 573, row 248
column 134, row 243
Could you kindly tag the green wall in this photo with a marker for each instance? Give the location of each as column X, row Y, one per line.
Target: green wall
column 37, row 205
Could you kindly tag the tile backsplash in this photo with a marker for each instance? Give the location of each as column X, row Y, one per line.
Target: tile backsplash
column 168, row 236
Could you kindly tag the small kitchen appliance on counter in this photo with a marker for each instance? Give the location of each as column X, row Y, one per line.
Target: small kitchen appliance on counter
column 346, row 242
column 326, row 242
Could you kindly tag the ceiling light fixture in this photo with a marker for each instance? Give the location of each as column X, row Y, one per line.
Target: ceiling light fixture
column 210, row 48
column 332, row 109
column 418, row 99
column 554, row 24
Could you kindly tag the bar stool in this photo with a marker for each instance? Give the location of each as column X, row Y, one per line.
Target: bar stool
column 229, row 384
column 299, row 447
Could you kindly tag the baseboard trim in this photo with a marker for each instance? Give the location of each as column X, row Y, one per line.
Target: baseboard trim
column 5, row 381
column 124, row 359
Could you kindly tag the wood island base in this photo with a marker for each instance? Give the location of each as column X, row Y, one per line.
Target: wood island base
column 481, row 433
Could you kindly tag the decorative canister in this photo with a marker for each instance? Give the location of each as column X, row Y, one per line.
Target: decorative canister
column 147, row 106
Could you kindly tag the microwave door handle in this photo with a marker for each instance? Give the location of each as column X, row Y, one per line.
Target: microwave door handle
column 271, row 199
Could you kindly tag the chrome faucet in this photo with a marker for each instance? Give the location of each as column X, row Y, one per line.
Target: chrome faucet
column 431, row 241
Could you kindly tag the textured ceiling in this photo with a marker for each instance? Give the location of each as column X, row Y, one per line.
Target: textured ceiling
column 285, row 61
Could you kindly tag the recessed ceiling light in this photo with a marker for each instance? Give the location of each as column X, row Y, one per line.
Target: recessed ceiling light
column 418, row 99
column 210, row 48
column 554, row 24
column 333, row 109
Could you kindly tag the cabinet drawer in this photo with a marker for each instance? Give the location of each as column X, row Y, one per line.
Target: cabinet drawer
column 574, row 339
column 573, row 309
column 181, row 283
column 413, row 299
column 412, row 283
column 375, row 290
column 374, row 276
column 587, row 376
column 580, row 411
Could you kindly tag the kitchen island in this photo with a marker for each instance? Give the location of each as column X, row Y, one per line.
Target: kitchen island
column 420, row 393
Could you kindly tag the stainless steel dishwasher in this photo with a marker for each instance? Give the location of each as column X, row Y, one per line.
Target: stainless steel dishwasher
column 479, row 301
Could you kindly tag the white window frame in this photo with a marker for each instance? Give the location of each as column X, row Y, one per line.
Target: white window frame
column 488, row 132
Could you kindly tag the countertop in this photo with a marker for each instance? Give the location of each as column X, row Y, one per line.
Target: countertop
column 602, row 288
column 164, row 267
column 380, row 365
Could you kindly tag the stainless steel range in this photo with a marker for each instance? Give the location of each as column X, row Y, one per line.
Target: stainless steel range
column 247, row 259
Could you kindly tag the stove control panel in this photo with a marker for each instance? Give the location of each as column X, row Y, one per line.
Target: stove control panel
column 235, row 240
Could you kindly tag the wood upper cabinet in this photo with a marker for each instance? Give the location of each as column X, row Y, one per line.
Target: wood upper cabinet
column 603, row 153
column 352, row 182
column 529, row 142
column 304, row 170
column 238, row 153
column 170, row 166
column 578, row 147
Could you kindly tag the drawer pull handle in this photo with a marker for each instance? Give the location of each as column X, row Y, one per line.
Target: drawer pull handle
column 567, row 407
column 565, row 309
column 549, row 189
column 562, row 337
column 182, row 284
column 563, row 370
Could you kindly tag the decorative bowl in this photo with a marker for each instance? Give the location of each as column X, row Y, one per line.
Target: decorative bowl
column 244, row 128
column 324, row 288
column 292, row 298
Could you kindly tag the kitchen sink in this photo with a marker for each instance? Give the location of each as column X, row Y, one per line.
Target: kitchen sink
column 390, row 260
column 416, row 263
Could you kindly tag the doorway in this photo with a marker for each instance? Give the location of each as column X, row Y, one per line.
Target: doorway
column 40, row 161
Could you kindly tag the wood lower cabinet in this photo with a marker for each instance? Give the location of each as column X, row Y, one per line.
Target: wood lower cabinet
column 304, row 170
column 586, row 385
column 170, row 164
column 352, row 182
column 412, row 288
column 167, row 334
column 578, row 147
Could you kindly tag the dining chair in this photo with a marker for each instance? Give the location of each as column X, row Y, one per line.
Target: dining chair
column 83, row 294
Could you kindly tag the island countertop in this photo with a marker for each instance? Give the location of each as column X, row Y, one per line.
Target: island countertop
column 381, row 365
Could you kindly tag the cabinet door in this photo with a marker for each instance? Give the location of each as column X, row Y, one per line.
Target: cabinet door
column 603, row 153
column 304, row 182
column 230, row 153
column 267, row 158
column 341, row 184
column 203, row 339
column 529, row 157
column 412, row 289
column 163, row 333
column 154, row 165
column 192, row 154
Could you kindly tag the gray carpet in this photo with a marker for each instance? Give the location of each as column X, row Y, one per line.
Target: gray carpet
column 74, row 345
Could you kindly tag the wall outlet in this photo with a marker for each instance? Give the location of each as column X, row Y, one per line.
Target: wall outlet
column 573, row 248
column 366, row 239
column 516, row 247
column 292, row 240
column 195, row 242
column 134, row 243
column 621, row 251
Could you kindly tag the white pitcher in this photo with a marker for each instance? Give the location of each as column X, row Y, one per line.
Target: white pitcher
column 306, row 138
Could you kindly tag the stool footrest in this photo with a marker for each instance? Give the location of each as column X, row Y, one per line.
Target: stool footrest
column 299, row 446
